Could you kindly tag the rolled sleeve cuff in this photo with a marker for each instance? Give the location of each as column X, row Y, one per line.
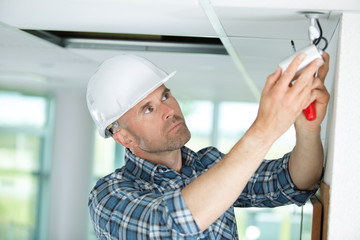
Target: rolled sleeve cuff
column 288, row 188
column 180, row 218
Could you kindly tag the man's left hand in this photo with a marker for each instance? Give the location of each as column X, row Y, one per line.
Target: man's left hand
column 321, row 96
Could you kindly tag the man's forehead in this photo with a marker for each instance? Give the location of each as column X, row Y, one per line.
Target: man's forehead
column 147, row 99
column 157, row 91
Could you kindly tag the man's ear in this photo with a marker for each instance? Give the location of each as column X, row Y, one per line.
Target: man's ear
column 125, row 138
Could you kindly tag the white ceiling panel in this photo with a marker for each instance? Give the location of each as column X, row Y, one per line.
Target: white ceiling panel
column 263, row 23
column 260, row 36
column 344, row 5
column 27, row 60
column 267, row 49
column 199, row 76
column 272, row 23
column 181, row 18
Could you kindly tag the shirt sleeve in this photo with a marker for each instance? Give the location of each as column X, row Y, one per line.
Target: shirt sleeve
column 272, row 186
column 125, row 213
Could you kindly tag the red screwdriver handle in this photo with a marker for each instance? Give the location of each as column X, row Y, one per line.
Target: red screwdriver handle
column 310, row 112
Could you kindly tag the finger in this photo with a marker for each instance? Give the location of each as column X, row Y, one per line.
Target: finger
column 289, row 73
column 319, row 92
column 319, row 96
column 309, row 71
column 272, row 79
column 306, row 78
column 322, row 96
column 304, row 97
column 318, row 84
column 324, row 69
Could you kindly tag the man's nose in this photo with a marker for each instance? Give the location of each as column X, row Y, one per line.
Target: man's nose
column 168, row 111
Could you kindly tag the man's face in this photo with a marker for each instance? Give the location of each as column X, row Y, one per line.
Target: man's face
column 157, row 122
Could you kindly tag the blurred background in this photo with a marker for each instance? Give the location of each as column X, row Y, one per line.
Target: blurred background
column 50, row 152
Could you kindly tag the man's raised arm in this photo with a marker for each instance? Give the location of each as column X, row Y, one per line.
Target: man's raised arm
column 306, row 161
column 211, row 194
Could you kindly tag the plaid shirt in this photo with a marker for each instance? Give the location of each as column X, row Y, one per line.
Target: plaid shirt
column 143, row 200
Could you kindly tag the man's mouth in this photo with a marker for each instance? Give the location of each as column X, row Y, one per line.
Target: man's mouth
column 175, row 126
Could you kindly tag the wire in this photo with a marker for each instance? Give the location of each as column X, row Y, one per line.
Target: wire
column 293, row 45
column 326, row 43
column 317, row 40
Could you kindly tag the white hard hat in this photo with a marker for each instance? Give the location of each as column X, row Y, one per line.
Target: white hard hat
column 118, row 85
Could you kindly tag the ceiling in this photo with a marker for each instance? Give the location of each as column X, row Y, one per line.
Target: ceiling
column 260, row 37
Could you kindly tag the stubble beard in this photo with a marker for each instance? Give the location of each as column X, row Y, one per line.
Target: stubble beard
column 174, row 141
column 177, row 142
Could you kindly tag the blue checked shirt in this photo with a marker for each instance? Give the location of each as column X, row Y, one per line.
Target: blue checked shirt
column 143, row 200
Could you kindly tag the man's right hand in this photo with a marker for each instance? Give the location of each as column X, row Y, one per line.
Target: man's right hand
column 281, row 101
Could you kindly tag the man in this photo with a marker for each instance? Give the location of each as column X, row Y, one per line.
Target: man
column 167, row 191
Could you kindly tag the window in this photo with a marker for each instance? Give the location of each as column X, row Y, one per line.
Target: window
column 199, row 118
column 286, row 222
column 24, row 145
column 108, row 156
column 235, row 118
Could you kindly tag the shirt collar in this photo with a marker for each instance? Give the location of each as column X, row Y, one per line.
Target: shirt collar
column 141, row 168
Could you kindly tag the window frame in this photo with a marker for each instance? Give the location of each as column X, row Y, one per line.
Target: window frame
column 45, row 135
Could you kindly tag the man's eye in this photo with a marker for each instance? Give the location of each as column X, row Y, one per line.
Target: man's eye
column 148, row 110
column 166, row 96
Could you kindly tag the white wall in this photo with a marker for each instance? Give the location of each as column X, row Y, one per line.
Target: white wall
column 71, row 167
column 343, row 161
